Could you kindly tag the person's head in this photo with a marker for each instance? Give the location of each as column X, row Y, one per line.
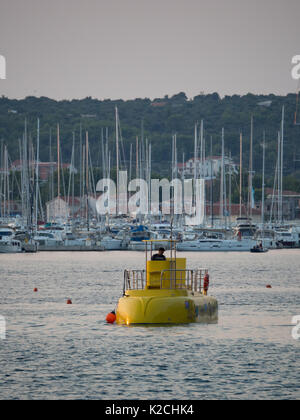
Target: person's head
column 161, row 251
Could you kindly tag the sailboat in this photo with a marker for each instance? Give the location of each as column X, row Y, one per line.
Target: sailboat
column 261, row 248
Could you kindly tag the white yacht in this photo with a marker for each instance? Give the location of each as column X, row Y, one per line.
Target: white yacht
column 244, row 228
column 70, row 239
column 119, row 242
column 222, row 245
column 287, row 238
column 8, row 244
column 46, row 239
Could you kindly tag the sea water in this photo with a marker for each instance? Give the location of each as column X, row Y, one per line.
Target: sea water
column 51, row 350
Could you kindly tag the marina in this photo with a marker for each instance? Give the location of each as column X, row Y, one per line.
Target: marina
column 119, row 213
column 126, row 235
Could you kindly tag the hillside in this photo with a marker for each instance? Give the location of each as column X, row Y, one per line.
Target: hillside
column 161, row 119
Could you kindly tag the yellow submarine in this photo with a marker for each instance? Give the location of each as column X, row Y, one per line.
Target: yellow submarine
column 166, row 292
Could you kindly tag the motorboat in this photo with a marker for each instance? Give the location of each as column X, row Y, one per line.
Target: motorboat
column 46, row 239
column 259, row 249
column 244, row 228
column 8, row 243
column 224, row 245
column 286, row 238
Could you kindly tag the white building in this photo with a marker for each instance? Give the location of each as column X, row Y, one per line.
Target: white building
column 210, row 168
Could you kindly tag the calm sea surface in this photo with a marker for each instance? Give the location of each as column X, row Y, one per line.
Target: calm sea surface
column 57, row 351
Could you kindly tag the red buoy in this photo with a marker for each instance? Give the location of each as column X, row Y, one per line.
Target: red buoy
column 35, row 289
column 268, row 286
column 69, row 302
column 111, row 317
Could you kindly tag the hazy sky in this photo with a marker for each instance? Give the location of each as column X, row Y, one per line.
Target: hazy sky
column 137, row 48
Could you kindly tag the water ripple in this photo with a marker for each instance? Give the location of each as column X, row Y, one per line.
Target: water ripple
column 59, row 351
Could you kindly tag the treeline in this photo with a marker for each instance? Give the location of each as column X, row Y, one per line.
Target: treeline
column 157, row 120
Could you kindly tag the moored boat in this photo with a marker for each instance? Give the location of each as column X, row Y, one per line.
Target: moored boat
column 8, row 244
column 257, row 249
column 222, row 245
column 286, row 237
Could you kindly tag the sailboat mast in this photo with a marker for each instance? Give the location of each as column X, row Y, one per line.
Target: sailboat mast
column 281, row 167
column 263, row 187
column 250, row 170
column 195, row 154
column 37, row 175
column 5, row 182
column 117, row 159
column 51, row 186
column 102, row 152
column 241, row 171
column 225, row 186
column 149, row 177
column 58, row 168
column 26, row 176
column 130, row 162
column 1, row 176
column 278, row 175
column 142, row 151
column 230, row 190
column 87, row 178
column 58, row 162
column 81, row 167
column 137, row 157
column 222, row 180
column 202, row 162
column 73, row 178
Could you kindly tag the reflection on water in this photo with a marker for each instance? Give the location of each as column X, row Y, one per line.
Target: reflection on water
column 54, row 350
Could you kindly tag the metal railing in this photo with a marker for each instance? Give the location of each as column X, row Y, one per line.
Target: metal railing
column 170, row 279
column 134, row 280
column 183, row 279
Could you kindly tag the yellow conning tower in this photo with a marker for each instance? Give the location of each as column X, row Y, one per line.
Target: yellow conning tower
column 166, row 292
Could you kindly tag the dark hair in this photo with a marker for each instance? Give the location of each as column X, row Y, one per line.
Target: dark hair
column 162, row 249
